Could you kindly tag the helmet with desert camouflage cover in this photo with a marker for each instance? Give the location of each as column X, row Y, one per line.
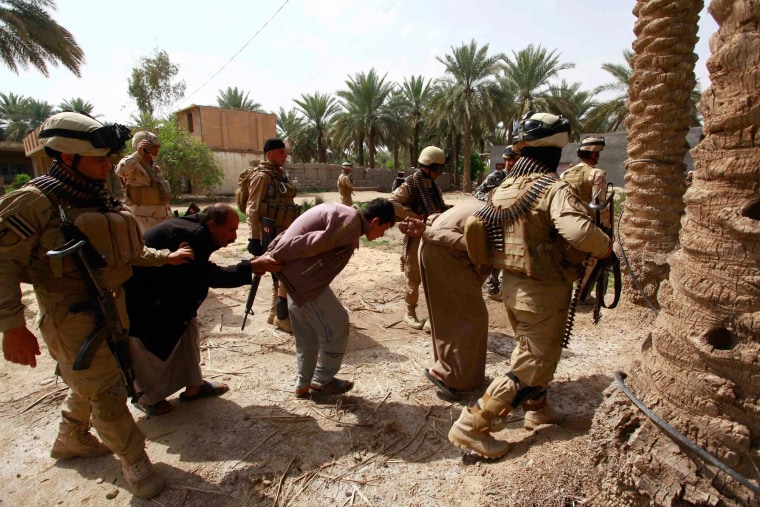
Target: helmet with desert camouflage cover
column 542, row 130
column 78, row 134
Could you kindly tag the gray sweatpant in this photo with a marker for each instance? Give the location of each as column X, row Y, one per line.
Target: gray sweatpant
column 320, row 328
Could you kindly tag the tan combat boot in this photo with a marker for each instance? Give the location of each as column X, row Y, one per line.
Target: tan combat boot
column 427, row 327
column 464, row 436
column 77, row 442
column 283, row 324
column 272, row 311
column 538, row 412
column 411, row 317
column 142, row 477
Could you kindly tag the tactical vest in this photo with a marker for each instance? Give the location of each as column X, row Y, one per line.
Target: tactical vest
column 114, row 235
column 531, row 244
column 157, row 194
column 578, row 177
column 278, row 203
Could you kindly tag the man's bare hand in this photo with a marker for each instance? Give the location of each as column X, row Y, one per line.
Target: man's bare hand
column 264, row 263
column 413, row 227
column 181, row 255
column 20, row 346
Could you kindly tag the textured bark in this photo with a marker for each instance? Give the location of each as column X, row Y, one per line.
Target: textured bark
column 699, row 369
column 659, row 119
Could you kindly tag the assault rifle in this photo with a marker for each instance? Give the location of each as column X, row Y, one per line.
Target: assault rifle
column 267, row 234
column 102, row 303
column 603, row 268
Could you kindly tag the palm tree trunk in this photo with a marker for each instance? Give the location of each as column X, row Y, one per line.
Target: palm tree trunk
column 466, row 176
column 699, row 366
column 659, row 120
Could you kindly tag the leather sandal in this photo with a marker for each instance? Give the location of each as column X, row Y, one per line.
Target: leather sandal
column 160, row 408
column 208, row 388
column 335, row 387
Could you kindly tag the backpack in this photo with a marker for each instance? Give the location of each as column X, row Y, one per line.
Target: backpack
column 241, row 193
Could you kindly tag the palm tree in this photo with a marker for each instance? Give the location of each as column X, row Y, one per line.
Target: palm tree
column 471, row 79
column 609, row 116
column 698, row 369
column 29, row 36
column 527, row 77
column 12, row 116
column 366, row 100
column 291, row 127
column 318, row 110
column 77, row 105
column 348, row 130
column 36, row 112
column 572, row 103
column 413, row 101
column 232, row 98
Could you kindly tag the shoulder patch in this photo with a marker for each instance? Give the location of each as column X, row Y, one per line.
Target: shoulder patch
column 17, row 224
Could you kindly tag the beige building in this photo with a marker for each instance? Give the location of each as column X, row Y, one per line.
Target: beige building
column 235, row 137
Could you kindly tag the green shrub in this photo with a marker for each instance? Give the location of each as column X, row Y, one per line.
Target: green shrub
column 318, row 199
column 21, row 180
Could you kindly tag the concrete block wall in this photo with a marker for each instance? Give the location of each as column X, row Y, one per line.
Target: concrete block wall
column 311, row 177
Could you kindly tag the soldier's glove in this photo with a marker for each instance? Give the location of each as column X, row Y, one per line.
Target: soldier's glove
column 254, row 247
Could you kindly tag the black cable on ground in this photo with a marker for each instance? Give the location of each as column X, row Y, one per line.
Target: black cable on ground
column 675, row 435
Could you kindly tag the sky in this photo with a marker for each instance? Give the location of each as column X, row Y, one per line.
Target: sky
column 278, row 50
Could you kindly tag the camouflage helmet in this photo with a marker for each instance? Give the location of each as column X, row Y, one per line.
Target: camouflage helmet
column 542, row 130
column 143, row 135
column 79, row 134
column 347, row 165
column 592, row 143
column 431, row 155
column 509, row 154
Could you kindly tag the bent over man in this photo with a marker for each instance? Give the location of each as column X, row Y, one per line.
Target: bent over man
column 37, row 219
column 314, row 249
column 270, row 195
column 458, row 313
column 146, row 191
column 538, row 231
column 163, row 304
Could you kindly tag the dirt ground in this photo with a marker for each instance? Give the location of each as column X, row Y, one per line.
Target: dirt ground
column 382, row 444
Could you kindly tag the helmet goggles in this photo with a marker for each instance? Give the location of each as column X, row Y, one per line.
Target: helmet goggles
column 113, row 137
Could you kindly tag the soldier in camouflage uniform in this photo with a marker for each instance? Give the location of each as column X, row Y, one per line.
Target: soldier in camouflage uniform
column 537, row 230
column 417, row 198
column 271, row 194
column 147, row 193
column 589, row 181
column 493, row 284
column 31, row 226
column 346, row 184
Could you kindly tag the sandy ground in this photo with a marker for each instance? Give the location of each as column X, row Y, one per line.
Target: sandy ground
column 383, row 444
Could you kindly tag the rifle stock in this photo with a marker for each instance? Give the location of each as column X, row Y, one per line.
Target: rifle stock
column 108, row 325
column 267, row 234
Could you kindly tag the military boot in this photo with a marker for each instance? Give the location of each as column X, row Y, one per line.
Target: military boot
column 142, row 478
column 272, row 309
column 411, row 317
column 75, row 441
column 283, row 324
column 464, row 436
column 427, row 327
column 538, row 412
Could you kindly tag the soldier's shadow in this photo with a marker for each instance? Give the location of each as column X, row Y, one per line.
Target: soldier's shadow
column 108, row 469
